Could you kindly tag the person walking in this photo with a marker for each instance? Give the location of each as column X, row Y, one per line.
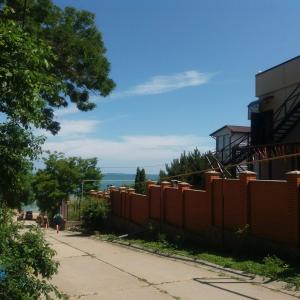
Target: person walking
column 58, row 220
column 46, row 221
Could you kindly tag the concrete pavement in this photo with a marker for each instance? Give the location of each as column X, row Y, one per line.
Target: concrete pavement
column 92, row 269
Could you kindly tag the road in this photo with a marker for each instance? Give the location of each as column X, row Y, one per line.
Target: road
column 92, row 269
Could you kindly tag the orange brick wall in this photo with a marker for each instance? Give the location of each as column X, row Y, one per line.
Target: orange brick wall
column 234, row 205
column 270, row 216
column 155, row 204
column 139, row 208
column 197, row 210
column 271, row 208
column 173, row 207
column 116, row 202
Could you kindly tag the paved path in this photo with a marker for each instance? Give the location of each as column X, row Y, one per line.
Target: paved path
column 91, row 269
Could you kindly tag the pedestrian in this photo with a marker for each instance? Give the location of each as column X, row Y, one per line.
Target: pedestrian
column 58, row 220
column 46, row 221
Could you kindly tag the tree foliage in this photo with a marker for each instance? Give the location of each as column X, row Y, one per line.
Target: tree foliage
column 26, row 262
column 61, row 177
column 17, row 148
column 77, row 55
column 190, row 162
column 95, row 214
column 26, row 78
column 140, row 181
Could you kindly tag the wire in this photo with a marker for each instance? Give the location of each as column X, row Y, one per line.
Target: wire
column 234, row 165
column 132, row 167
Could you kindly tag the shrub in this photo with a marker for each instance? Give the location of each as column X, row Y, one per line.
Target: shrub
column 26, row 262
column 95, row 214
column 274, row 266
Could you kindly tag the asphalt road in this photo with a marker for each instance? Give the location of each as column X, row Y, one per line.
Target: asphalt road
column 92, row 269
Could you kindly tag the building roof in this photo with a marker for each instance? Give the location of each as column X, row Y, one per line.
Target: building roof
column 234, row 128
column 278, row 65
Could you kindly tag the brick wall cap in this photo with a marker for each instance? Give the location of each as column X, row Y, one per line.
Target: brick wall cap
column 165, row 182
column 122, row 188
column 213, row 173
column 131, row 189
column 248, row 173
column 296, row 172
column 183, row 184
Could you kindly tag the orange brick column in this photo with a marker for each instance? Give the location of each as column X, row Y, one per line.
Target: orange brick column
column 210, row 176
column 130, row 191
column 182, row 186
column 149, row 183
column 293, row 181
column 111, row 191
column 122, row 190
column 245, row 178
column 163, row 186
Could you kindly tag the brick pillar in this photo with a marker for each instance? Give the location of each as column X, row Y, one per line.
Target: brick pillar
column 245, row 178
column 163, row 186
column 183, row 186
column 293, row 181
column 149, row 183
column 122, row 190
column 111, row 191
column 130, row 191
column 210, row 176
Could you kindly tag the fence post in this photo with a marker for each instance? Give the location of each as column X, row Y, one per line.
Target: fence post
column 293, row 181
column 163, row 186
column 182, row 186
column 245, row 178
column 122, row 190
column 130, row 191
column 112, row 189
column 210, row 176
column 149, row 183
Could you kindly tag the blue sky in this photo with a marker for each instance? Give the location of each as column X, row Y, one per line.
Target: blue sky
column 183, row 68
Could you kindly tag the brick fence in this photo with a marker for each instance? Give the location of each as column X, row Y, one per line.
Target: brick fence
column 270, row 209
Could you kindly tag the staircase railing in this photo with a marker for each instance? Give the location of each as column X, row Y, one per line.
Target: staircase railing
column 286, row 107
column 225, row 154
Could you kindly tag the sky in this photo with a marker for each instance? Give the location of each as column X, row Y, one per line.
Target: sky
column 183, row 69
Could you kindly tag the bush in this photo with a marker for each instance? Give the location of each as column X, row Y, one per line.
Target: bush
column 274, row 266
column 95, row 215
column 26, row 262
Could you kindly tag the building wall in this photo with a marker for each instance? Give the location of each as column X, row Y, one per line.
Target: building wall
column 271, row 209
column 281, row 77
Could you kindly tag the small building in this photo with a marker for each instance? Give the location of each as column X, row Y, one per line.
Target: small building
column 230, row 139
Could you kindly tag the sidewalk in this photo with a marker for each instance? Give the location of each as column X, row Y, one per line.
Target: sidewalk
column 91, row 269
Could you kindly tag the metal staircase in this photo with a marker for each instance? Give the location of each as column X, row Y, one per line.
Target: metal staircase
column 236, row 154
column 287, row 116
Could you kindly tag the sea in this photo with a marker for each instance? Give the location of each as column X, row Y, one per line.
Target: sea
column 109, row 179
column 120, row 179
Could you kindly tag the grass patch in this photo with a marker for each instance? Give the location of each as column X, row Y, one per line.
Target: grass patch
column 270, row 266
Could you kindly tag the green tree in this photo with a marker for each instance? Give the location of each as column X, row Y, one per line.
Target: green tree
column 26, row 78
column 26, row 262
column 79, row 61
column 140, row 181
column 192, row 162
column 61, row 177
column 18, row 147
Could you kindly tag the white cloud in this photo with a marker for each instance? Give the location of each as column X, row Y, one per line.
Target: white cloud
column 132, row 150
column 72, row 129
column 165, row 83
column 71, row 109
